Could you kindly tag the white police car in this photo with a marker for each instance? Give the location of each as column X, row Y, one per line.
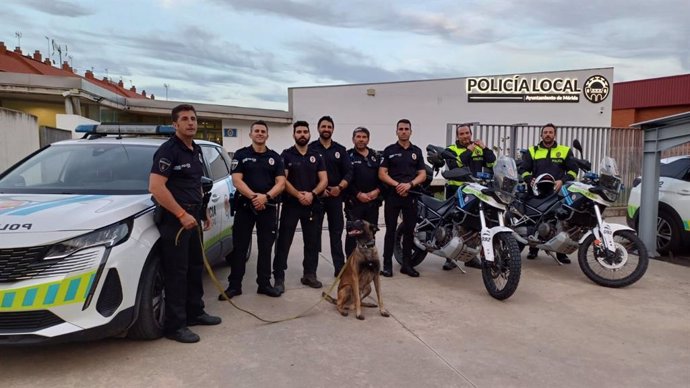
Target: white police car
column 673, row 222
column 78, row 253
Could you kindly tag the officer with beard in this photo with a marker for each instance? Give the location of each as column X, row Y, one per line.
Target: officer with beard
column 306, row 177
column 338, row 169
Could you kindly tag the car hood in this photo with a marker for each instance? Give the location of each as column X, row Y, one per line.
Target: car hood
column 62, row 216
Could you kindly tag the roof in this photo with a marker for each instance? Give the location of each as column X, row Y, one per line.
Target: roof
column 16, row 62
column 653, row 92
column 680, row 118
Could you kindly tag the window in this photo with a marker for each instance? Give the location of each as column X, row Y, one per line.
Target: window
column 219, row 170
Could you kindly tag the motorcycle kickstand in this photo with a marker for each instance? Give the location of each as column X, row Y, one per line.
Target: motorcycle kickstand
column 553, row 256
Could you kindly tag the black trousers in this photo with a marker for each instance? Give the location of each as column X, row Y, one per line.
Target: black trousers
column 333, row 209
column 355, row 210
column 182, row 265
column 308, row 218
column 394, row 205
column 245, row 219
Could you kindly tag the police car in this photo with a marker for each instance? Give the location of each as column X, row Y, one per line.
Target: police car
column 673, row 222
column 78, row 244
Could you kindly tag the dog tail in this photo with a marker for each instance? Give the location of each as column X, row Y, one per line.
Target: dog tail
column 328, row 298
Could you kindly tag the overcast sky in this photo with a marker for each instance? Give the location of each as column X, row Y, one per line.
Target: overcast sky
column 248, row 52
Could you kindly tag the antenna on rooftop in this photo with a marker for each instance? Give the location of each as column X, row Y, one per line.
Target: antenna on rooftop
column 166, row 86
column 19, row 38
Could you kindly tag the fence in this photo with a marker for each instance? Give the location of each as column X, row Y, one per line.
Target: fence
column 622, row 144
column 49, row 135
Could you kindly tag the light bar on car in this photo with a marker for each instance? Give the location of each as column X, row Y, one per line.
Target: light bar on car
column 125, row 129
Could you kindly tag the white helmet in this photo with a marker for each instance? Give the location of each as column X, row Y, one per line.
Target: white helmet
column 543, row 185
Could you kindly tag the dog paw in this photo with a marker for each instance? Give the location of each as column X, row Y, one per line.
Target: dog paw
column 385, row 313
column 360, row 317
column 344, row 313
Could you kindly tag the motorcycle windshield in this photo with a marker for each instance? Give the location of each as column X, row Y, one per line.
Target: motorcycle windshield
column 608, row 166
column 505, row 174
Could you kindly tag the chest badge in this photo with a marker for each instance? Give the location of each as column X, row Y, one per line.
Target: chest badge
column 337, row 154
column 312, row 159
column 271, row 161
column 414, row 156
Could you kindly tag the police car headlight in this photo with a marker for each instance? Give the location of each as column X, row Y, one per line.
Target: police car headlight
column 108, row 237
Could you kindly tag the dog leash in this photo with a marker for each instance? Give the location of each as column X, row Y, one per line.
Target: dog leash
column 220, row 288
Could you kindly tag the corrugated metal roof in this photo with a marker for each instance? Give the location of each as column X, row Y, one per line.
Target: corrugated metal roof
column 664, row 91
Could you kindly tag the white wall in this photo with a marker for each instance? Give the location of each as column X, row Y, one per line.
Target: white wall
column 70, row 122
column 430, row 105
column 18, row 136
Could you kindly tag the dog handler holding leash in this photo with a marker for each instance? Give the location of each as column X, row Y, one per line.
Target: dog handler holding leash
column 175, row 182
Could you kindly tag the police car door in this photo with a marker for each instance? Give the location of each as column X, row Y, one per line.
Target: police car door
column 218, row 240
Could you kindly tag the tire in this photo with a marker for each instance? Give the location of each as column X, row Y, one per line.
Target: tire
column 246, row 256
column 151, row 303
column 628, row 266
column 417, row 256
column 668, row 232
column 501, row 277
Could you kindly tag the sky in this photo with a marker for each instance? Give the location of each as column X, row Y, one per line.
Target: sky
column 249, row 52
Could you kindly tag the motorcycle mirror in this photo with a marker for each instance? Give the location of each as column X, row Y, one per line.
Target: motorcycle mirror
column 458, row 174
column 577, row 145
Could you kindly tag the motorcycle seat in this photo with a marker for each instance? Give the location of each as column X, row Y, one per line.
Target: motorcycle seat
column 438, row 205
column 542, row 204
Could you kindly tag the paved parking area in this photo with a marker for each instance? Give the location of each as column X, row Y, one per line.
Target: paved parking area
column 559, row 329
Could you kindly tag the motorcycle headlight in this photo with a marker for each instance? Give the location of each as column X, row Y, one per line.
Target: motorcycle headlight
column 610, row 195
column 108, row 236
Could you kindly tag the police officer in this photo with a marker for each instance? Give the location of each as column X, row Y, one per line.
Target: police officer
column 259, row 177
column 175, row 182
column 402, row 169
column 549, row 157
column 306, row 179
column 364, row 191
column 339, row 173
column 472, row 154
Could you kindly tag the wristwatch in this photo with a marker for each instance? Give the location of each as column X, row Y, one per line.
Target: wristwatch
column 268, row 196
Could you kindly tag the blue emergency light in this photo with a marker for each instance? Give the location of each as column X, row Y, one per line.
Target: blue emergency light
column 125, row 129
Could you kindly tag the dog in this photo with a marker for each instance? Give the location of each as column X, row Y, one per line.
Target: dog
column 361, row 269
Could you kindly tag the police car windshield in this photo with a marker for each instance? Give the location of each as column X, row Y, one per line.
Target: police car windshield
column 82, row 169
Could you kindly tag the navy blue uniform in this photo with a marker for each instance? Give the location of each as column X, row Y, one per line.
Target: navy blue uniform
column 259, row 172
column 402, row 164
column 338, row 168
column 182, row 263
column 302, row 173
column 365, row 178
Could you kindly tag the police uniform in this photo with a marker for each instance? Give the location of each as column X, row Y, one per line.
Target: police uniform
column 302, row 173
column 182, row 262
column 556, row 160
column 365, row 178
column 259, row 171
column 338, row 168
column 475, row 160
column 402, row 164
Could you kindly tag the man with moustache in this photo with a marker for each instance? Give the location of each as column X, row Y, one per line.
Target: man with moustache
column 258, row 175
column 548, row 157
column 175, row 183
column 306, row 179
column 402, row 169
column 474, row 155
column 364, row 191
column 339, row 173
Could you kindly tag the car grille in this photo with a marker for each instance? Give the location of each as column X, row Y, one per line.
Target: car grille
column 26, row 321
column 27, row 263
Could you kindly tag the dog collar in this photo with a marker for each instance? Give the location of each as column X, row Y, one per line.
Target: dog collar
column 368, row 244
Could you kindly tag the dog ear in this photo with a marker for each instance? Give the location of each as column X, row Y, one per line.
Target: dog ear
column 374, row 228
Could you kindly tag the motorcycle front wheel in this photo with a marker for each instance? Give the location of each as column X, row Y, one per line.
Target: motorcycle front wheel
column 501, row 277
column 417, row 255
column 626, row 266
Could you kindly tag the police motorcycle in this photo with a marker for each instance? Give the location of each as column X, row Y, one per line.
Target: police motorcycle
column 470, row 224
column 611, row 255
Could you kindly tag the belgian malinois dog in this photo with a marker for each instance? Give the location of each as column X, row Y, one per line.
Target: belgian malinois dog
column 361, row 269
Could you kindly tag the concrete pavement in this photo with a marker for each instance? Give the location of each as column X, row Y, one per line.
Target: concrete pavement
column 559, row 329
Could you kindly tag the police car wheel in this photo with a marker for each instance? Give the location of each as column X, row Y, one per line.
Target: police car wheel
column 151, row 303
